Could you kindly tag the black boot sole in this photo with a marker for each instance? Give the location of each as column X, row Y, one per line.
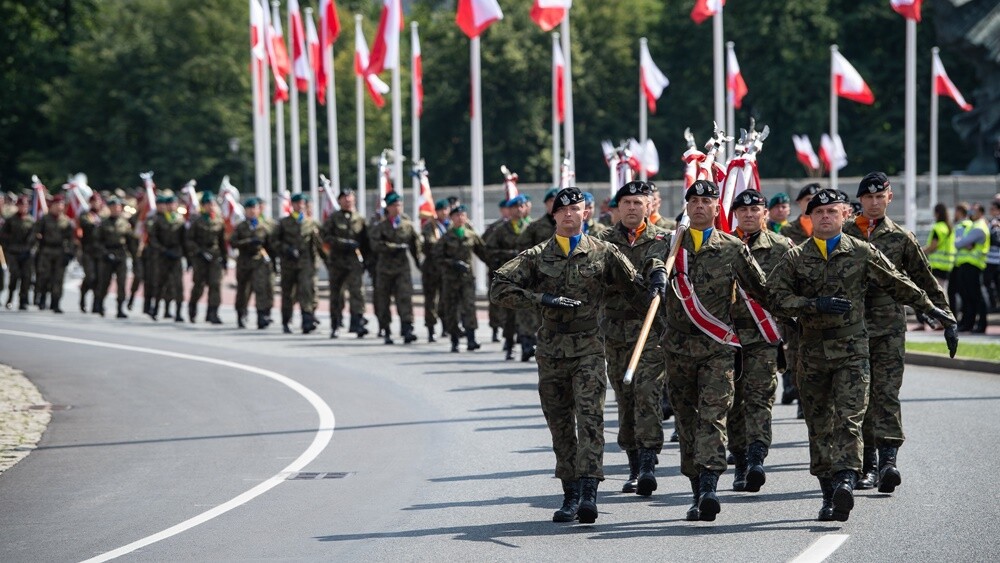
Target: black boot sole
column 889, row 480
column 646, row 485
column 631, row 485
column 587, row 513
column 755, row 479
column 708, row 507
column 561, row 516
column 843, row 503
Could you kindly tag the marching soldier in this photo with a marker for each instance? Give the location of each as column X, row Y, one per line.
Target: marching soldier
column 298, row 241
column 656, row 201
column 778, row 209
column 207, row 243
column 18, row 242
column 591, row 226
column 90, row 258
column 885, row 320
column 501, row 246
column 497, row 314
column 453, row 253
column 749, row 422
column 529, row 319
column 114, row 240
column 167, row 244
column 640, row 432
column 391, row 240
column 346, row 234
column 56, row 248
column 430, row 271
column 824, row 282
column 252, row 238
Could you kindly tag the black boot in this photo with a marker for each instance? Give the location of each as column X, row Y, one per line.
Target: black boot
column 193, row 313
column 362, row 331
column 495, row 337
column 121, row 314
column 83, row 301
column 588, row 500
column 407, row 332
column 527, row 348
column 674, row 438
column 470, row 336
column 285, row 321
column 333, row 331
column 167, row 314
column 149, row 308
column 55, row 306
column 262, row 320
column 508, row 348
column 430, row 334
column 131, row 301
column 708, row 501
column 633, row 471
column 888, row 475
column 388, row 336
column 454, row 342
column 98, row 307
column 241, row 318
column 798, row 412
column 213, row 315
column 843, row 494
column 693, row 515
column 309, row 323
column 739, row 471
column 756, row 476
column 869, row 469
column 177, row 313
column 571, row 502
column 666, row 409
column 788, row 391
column 826, row 511
column 647, row 472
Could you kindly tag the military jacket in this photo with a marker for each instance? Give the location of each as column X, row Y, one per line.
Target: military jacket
column 883, row 315
column 503, row 244
column 16, row 234
column 166, row 237
column 114, row 236
column 207, row 236
column 246, row 237
column 665, row 224
column 392, row 243
column 89, row 223
column 852, row 267
column 767, row 248
column 55, row 234
column 586, row 275
column 537, row 232
column 593, row 228
column 297, row 243
column 622, row 319
column 795, row 231
column 452, row 247
column 431, row 233
column 340, row 230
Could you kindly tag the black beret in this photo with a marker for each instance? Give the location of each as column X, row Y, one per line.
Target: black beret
column 702, row 188
column 873, row 183
column 808, row 190
column 345, row 192
column 747, row 198
column 825, row 197
column 459, row 209
column 567, row 196
column 634, row 187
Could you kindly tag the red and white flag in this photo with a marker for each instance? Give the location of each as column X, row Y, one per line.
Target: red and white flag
column 426, row 208
column 232, row 210
column 329, row 30
column 257, row 31
column 190, row 200
column 474, row 16
column 376, row 88
column 831, row 152
column 909, row 9
column 559, row 67
column 734, row 80
column 848, row 81
column 550, row 13
column 652, row 79
column 704, row 9
column 39, row 205
column 315, row 57
column 805, row 153
column 944, row 86
column 277, row 55
column 418, row 75
column 385, row 49
column 300, row 60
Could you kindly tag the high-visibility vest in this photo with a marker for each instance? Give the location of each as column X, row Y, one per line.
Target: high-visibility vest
column 976, row 255
column 943, row 257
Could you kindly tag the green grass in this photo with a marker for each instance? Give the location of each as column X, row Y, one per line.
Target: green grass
column 967, row 350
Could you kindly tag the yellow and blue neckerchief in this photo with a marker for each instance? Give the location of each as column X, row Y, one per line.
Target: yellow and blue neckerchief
column 395, row 221
column 298, row 216
column 568, row 244
column 518, row 225
column 442, row 226
column 699, row 237
column 826, row 247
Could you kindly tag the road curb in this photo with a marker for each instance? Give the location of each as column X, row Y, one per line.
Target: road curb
column 942, row 361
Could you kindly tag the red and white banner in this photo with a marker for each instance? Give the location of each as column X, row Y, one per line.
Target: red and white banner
column 426, row 207
column 704, row 9
column 258, row 50
column 418, row 74
column 909, row 9
column 652, row 79
column 943, row 86
column 385, row 49
column 734, row 81
column 707, row 323
column 766, row 324
column 277, row 55
column 848, row 81
column 559, row 66
column 189, row 198
column 831, row 152
column 510, row 190
column 644, row 156
column 232, row 210
column 329, row 30
column 805, row 153
column 474, row 16
column 376, row 88
column 548, row 14
column 39, row 205
column 315, row 58
column 300, row 60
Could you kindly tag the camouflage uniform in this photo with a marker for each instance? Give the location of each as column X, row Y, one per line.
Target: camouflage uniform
column 16, row 237
column 138, row 268
column 430, row 274
column 497, row 314
column 347, row 236
column 252, row 238
column 458, row 283
column 527, row 320
column 392, row 272
column 114, row 241
column 166, row 243
column 89, row 257
column 207, row 244
column 501, row 247
column 797, row 232
column 56, row 248
column 298, row 243
column 593, row 228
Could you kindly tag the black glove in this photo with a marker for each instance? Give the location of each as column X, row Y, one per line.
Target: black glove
column 559, row 302
column 170, row 255
column 350, row 244
column 941, row 316
column 951, row 338
column 292, row 253
column 833, row 305
column 206, row 256
column 24, row 256
column 460, row 266
column 657, row 283
column 924, row 319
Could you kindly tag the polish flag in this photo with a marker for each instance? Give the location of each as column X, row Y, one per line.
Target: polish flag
column 278, row 58
column 257, row 30
column 550, row 13
column 944, row 86
column 832, row 153
column 704, row 9
column 300, row 61
column 232, row 210
column 418, row 74
column 559, row 66
column 426, row 208
column 329, row 30
column 848, row 82
column 385, row 50
column 805, row 153
column 734, row 81
column 652, row 79
column 39, row 205
column 474, row 16
column 909, row 9
column 315, row 60
column 190, row 200
column 376, row 88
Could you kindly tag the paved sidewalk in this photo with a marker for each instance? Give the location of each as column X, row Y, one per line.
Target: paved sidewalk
column 24, row 415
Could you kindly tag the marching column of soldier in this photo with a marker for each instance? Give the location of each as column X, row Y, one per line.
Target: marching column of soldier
column 797, row 298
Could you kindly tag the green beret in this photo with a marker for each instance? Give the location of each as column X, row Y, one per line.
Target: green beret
column 251, row 202
column 459, row 209
column 441, row 204
column 207, row 196
column 301, row 196
column 391, row 198
column 550, row 194
column 113, row 200
column 778, row 199
column 160, row 198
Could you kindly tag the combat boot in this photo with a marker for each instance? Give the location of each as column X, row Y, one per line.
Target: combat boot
column 756, row 477
column 430, row 335
column 708, row 501
column 674, row 438
column 470, row 336
column 693, row 515
column 588, row 500
column 193, row 313
column 55, row 306
column 633, row 471
column 147, row 307
column 362, row 331
column 826, row 511
column 647, row 472
column 869, row 469
column 666, row 409
column 309, row 323
column 888, row 475
column 571, row 502
column 843, row 494
column 508, row 348
column 213, row 315
column 41, row 301
column 177, row 313
column 241, row 318
column 83, row 301
column 285, row 321
column 333, row 331
column 167, row 314
column 388, row 336
column 527, row 348
column 407, row 332
column 98, row 308
column 262, row 320
column 739, row 471
column 495, row 337
column 121, row 314
column 788, row 391
column 131, row 301
column 454, row 342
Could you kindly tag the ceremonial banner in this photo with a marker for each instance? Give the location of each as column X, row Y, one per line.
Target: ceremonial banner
column 943, row 86
column 848, row 82
column 550, row 13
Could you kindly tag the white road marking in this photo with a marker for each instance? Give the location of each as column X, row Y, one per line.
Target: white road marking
column 324, row 433
column 821, row 548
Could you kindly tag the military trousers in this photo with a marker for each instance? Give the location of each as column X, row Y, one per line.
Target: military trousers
column 433, row 304
column 19, row 268
column 458, row 299
column 572, row 392
column 639, row 412
column 169, row 278
column 206, row 273
column 346, row 273
column 395, row 286
column 90, row 265
column 106, row 268
column 883, row 422
column 527, row 321
column 750, row 418
column 138, row 273
column 254, row 276
column 298, row 285
column 51, row 269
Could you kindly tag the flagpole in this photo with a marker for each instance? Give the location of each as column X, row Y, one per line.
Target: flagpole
column 833, row 117
column 279, row 121
column 718, row 72
column 730, row 102
column 293, row 92
column 643, row 112
column 934, row 133
column 569, row 141
column 911, row 125
column 556, row 136
column 478, row 212
column 360, row 115
column 414, row 120
column 265, row 91
column 333, row 137
column 397, row 122
column 258, row 123
column 313, row 148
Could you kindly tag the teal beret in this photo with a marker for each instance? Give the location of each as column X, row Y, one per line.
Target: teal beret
column 441, row 204
column 251, row 202
column 550, row 194
column 207, row 196
column 300, row 197
column 392, row 198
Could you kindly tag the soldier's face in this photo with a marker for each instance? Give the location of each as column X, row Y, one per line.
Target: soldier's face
column 751, row 217
column 505, row 212
column 442, row 215
column 459, row 219
column 548, row 205
column 632, row 210
column 22, row 207
column 251, row 212
column 55, row 208
column 298, row 205
column 780, row 212
column 115, row 209
column 588, row 212
column 702, row 211
column 393, row 210
column 569, row 219
column 873, row 206
column 348, row 202
column 828, row 220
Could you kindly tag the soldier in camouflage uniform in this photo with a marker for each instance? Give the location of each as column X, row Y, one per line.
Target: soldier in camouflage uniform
column 886, row 322
column 56, row 248
column 453, row 253
column 114, row 240
column 640, row 433
column 252, row 238
column 298, row 243
column 591, row 226
column 391, row 240
column 167, row 245
column 654, row 210
column 497, row 314
column 18, row 241
column 89, row 257
column 346, row 234
column 749, row 422
column 207, row 244
column 824, row 282
column 529, row 319
column 568, row 277
column 430, row 271
column 502, row 246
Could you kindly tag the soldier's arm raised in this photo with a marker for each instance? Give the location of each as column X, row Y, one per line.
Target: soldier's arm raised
column 916, row 266
column 882, row 273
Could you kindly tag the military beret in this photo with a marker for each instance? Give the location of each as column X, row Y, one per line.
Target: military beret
column 58, row 199
column 459, row 209
column 873, row 183
column 502, row 203
column 588, row 199
column 519, row 199
column 652, row 187
column 113, row 200
column 345, row 192
column 613, row 204
column 550, row 194
column 808, row 190
column 702, row 188
column 168, row 192
column 632, row 188
column 441, row 204
column 778, row 199
column 391, row 198
column 825, row 197
column 160, row 198
column 746, row 198
column 567, row 196
column 207, row 196
column 856, row 207
column 251, row 202
column 301, row 196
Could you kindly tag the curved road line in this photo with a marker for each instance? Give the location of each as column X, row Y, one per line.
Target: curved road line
column 324, row 433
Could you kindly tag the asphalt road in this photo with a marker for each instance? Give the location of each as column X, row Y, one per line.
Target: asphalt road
column 432, row 456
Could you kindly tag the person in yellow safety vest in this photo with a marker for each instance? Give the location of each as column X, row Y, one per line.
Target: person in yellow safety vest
column 970, row 262
column 940, row 248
